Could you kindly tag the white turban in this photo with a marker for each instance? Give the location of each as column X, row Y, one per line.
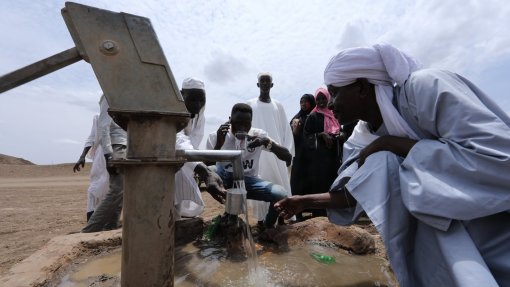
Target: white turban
column 193, row 83
column 380, row 64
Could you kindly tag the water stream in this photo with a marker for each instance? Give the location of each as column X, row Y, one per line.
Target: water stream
column 249, row 243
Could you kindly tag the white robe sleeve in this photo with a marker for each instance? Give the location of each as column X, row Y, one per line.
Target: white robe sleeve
column 462, row 171
column 287, row 140
column 104, row 122
column 92, row 136
column 211, row 141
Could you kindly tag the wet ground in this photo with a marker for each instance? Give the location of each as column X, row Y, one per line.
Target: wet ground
column 205, row 264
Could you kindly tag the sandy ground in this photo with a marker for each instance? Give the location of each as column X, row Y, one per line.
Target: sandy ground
column 39, row 202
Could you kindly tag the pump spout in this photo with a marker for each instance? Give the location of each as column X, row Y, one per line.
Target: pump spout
column 236, row 196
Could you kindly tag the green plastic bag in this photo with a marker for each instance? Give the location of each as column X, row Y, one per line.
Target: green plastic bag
column 325, row 259
column 212, row 229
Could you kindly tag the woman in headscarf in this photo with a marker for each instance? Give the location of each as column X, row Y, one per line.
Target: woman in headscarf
column 298, row 174
column 306, row 104
column 429, row 164
column 322, row 146
column 298, row 178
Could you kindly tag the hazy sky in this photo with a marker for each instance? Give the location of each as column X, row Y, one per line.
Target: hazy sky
column 226, row 43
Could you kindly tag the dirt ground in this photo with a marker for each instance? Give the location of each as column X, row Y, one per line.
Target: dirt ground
column 39, row 202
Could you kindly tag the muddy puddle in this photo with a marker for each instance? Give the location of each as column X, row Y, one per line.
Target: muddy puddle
column 204, row 264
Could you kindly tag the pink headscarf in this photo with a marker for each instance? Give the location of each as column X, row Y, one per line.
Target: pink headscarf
column 331, row 125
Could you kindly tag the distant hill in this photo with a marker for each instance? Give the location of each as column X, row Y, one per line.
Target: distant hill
column 6, row 159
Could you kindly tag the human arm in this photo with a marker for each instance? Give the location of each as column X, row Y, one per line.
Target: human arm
column 286, row 139
column 81, row 160
column 464, row 147
column 209, row 145
column 314, row 129
column 221, row 133
column 290, row 206
column 397, row 145
column 281, row 152
column 88, row 145
column 297, row 126
column 214, row 184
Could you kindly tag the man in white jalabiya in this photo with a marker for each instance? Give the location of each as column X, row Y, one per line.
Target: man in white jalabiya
column 269, row 115
column 99, row 178
column 188, row 200
column 113, row 141
column 429, row 163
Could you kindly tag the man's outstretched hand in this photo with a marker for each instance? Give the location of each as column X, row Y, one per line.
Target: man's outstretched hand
column 290, row 206
column 214, row 185
column 213, row 182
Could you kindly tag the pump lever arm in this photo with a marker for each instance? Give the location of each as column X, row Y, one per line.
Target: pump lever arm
column 39, row 69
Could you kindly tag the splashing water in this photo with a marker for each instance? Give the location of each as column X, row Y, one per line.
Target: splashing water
column 249, row 244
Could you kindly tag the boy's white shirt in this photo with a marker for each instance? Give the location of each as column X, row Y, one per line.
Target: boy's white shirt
column 250, row 157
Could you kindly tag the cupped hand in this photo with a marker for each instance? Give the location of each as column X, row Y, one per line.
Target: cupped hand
column 290, row 206
column 214, row 185
column 256, row 141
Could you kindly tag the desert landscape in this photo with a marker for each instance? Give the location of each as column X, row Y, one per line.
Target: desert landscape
column 39, row 202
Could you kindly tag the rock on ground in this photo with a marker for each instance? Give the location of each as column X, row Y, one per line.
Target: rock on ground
column 320, row 230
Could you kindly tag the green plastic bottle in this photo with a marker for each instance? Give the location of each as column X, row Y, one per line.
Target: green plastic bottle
column 325, row 259
column 211, row 229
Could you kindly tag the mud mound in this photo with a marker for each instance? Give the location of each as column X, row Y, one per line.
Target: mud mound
column 6, row 159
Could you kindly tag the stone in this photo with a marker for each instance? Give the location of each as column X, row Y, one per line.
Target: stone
column 188, row 230
column 319, row 230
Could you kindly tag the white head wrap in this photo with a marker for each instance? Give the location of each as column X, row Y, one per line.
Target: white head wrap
column 382, row 65
column 193, row 83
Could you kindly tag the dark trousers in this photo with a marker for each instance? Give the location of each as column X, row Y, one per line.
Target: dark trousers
column 107, row 214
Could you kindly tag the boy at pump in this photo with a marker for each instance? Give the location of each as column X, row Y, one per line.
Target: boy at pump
column 238, row 134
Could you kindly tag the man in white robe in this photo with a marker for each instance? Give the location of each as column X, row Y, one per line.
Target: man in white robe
column 113, row 141
column 188, row 199
column 99, row 178
column 269, row 115
column 428, row 163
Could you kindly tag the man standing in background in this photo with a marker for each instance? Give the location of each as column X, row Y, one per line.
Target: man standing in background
column 99, row 178
column 113, row 141
column 188, row 200
column 269, row 115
